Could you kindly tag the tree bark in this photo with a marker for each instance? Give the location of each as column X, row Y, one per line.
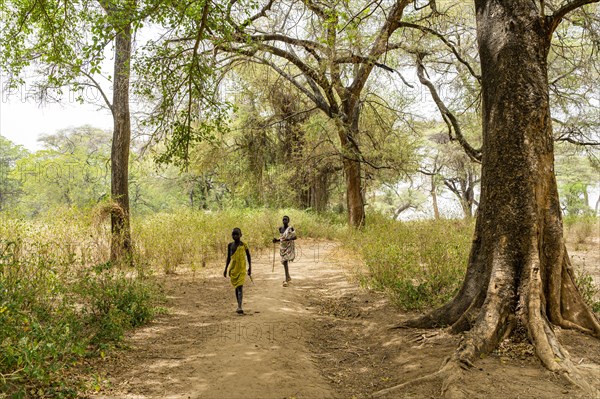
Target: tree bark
column 121, row 233
column 354, row 195
column 436, row 209
column 518, row 272
column 351, row 163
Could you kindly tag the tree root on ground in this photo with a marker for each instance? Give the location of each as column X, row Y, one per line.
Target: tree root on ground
column 451, row 375
column 497, row 318
column 454, row 372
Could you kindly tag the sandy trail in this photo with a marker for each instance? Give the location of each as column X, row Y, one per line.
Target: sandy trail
column 322, row 337
column 203, row 349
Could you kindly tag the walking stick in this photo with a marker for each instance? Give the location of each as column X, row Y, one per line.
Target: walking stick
column 273, row 268
column 272, row 229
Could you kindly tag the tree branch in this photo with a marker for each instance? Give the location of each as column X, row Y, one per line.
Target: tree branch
column 473, row 153
column 392, row 23
column 279, row 120
column 571, row 140
column 248, row 21
column 306, row 44
column 97, row 86
column 559, row 14
column 302, row 66
column 315, row 97
column 447, row 43
column 261, row 13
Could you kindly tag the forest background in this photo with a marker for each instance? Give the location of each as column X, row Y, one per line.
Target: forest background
column 233, row 124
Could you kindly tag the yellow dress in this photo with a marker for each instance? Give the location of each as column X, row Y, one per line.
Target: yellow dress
column 237, row 266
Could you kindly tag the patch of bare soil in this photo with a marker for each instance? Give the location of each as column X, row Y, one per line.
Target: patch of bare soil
column 360, row 352
column 322, row 337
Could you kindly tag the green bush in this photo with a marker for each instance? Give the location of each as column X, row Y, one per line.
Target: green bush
column 56, row 307
column 418, row 264
column 588, row 289
column 39, row 329
column 114, row 302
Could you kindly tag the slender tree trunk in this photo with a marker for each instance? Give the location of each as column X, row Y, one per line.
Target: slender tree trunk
column 436, row 209
column 467, row 206
column 121, row 233
column 315, row 192
column 519, row 272
column 321, row 191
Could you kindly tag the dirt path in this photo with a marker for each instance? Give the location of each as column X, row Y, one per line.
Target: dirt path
column 322, row 337
column 203, row 349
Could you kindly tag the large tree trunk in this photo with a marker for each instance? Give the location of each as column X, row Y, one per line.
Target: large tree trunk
column 352, row 170
column 121, row 234
column 519, row 274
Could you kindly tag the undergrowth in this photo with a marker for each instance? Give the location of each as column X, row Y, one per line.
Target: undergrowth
column 418, row 264
column 60, row 301
column 58, row 306
column 187, row 238
column 579, row 229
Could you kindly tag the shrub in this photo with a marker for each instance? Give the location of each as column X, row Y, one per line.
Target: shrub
column 55, row 307
column 419, row 264
column 114, row 301
column 588, row 289
column 39, row 328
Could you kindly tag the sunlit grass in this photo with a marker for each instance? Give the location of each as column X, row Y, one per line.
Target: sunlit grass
column 418, row 264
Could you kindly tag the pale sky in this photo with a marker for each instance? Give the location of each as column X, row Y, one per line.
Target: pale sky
column 23, row 118
column 22, row 123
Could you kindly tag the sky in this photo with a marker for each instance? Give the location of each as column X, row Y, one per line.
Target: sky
column 23, row 119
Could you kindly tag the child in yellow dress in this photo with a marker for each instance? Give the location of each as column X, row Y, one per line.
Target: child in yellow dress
column 237, row 251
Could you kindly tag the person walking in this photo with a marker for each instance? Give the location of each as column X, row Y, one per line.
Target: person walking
column 237, row 252
column 287, row 250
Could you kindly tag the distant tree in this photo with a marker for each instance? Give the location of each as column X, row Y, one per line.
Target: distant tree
column 458, row 172
column 10, row 188
column 328, row 62
column 576, row 174
column 72, row 169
